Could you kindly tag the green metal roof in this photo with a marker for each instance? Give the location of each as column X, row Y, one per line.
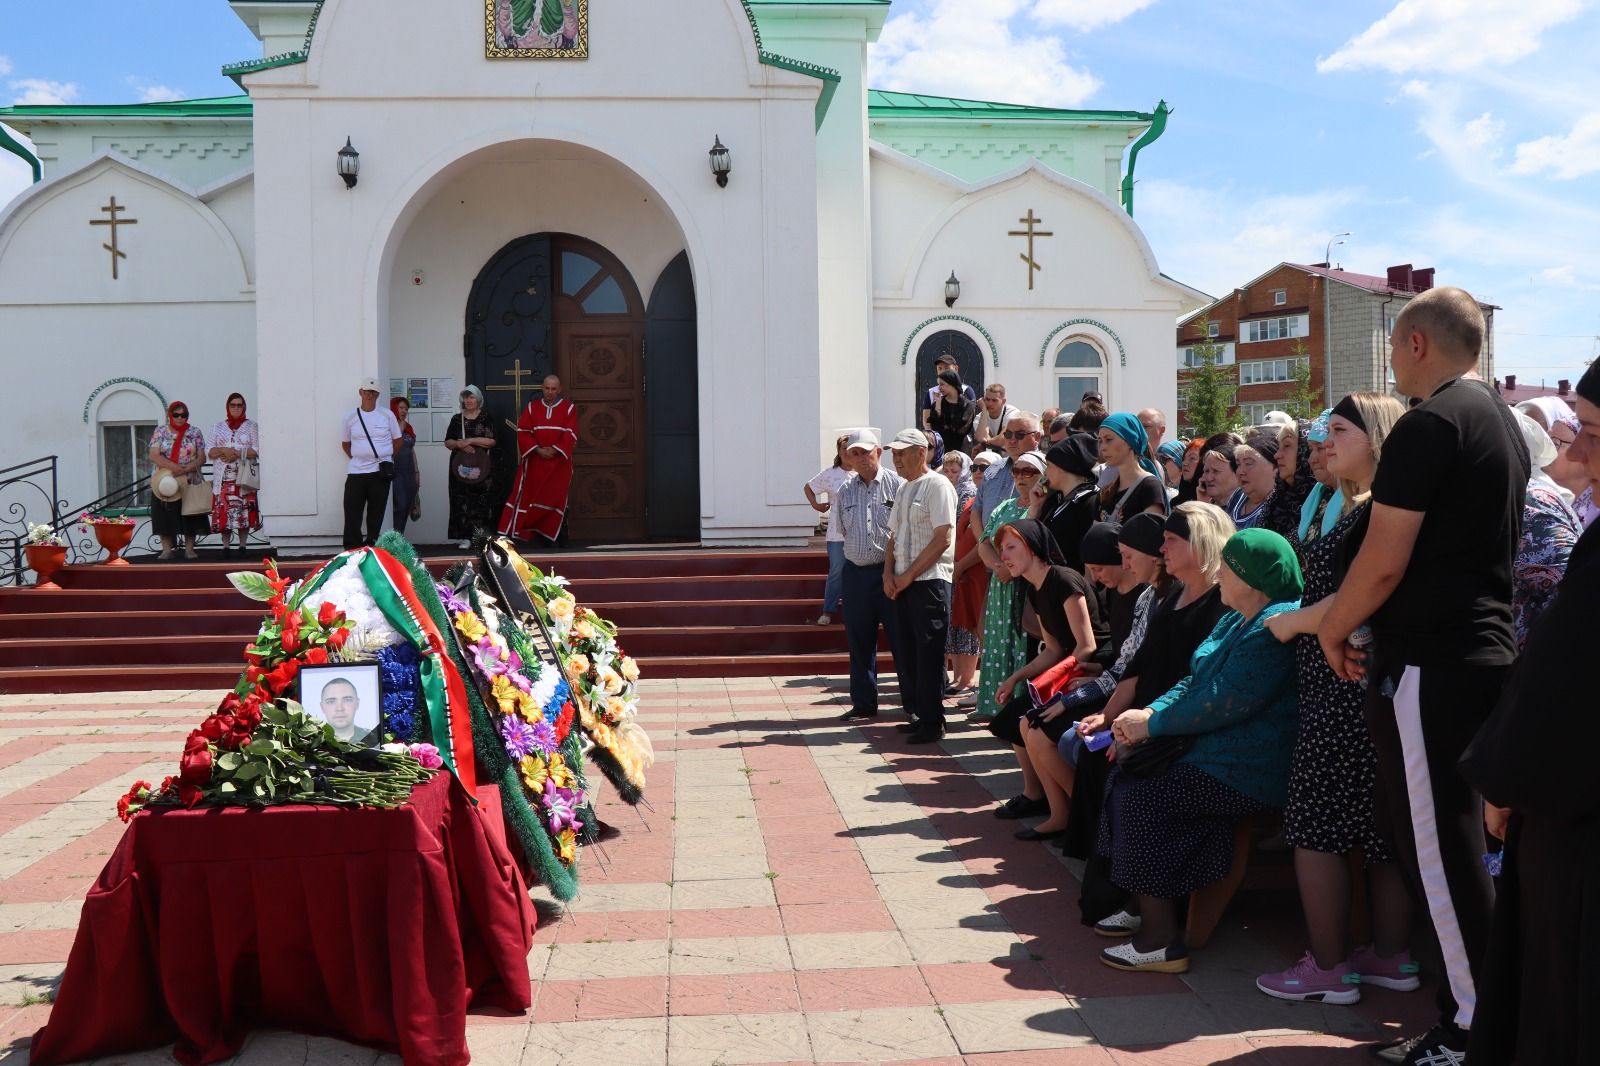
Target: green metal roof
column 209, row 107
column 882, row 104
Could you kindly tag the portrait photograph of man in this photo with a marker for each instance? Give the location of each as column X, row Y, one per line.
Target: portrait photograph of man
column 346, row 696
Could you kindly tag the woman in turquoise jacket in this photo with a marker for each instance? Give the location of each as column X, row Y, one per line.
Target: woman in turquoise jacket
column 1231, row 724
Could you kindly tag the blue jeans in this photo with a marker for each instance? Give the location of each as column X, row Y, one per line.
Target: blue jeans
column 835, row 585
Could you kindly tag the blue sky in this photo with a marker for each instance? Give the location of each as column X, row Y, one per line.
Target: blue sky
column 1459, row 134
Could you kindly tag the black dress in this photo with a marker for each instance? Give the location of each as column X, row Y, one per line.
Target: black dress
column 471, row 506
column 1049, row 602
column 1068, row 516
column 1334, row 769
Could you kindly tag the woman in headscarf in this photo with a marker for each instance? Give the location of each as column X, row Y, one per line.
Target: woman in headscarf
column 1189, row 483
column 1072, row 504
column 1228, row 729
column 1139, row 487
column 1550, row 530
column 966, row 604
column 1325, row 504
column 1533, row 760
column 1333, row 774
column 471, row 441
column 1219, row 481
column 234, row 439
column 1295, row 481
column 180, row 449
column 952, row 414
column 1004, row 643
column 1255, row 464
column 406, row 490
column 1069, row 619
column 1171, row 453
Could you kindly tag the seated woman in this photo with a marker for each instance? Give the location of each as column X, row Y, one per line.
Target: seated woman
column 1192, row 541
column 1003, row 643
column 1069, row 618
column 1127, row 562
column 1168, row 826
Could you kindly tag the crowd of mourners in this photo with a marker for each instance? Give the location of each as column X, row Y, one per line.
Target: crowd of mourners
column 1360, row 634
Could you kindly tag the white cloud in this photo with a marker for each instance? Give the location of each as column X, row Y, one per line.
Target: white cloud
column 150, row 94
column 1566, row 156
column 1451, row 35
column 967, row 48
column 1484, row 133
column 39, row 91
column 1085, row 14
column 5, row 65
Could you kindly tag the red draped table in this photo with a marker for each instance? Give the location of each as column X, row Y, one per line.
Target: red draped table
column 374, row 926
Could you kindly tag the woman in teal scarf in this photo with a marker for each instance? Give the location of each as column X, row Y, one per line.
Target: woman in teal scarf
column 1139, row 486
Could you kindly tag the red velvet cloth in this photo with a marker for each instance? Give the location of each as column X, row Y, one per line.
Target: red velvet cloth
column 374, row 926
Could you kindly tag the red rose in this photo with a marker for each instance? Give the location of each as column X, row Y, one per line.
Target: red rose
column 337, row 638
column 329, row 614
column 189, row 794
column 195, row 767
column 252, row 674
column 217, row 726
column 195, row 742
column 281, row 676
column 316, row 656
column 290, row 640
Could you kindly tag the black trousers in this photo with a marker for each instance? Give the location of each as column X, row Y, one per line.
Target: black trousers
column 1421, row 720
column 364, row 494
column 923, row 610
column 865, row 609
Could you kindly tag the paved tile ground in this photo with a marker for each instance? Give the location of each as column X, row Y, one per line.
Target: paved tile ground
column 803, row 892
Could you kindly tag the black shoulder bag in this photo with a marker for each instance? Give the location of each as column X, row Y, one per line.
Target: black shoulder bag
column 385, row 467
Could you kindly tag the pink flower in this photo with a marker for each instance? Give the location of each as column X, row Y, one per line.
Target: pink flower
column 427, row 755
column 487, row 657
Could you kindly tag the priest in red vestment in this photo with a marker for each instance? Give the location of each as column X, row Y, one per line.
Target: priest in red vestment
column 547, row 434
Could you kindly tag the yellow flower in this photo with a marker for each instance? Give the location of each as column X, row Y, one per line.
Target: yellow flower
column 505, row 694
column 579, row 664
column 630, row 669
column 534, row 772
column 468, row 626
column 560, row 773
column 583, row 630
column 562, row 608
column 567, row 845
column 528, row 708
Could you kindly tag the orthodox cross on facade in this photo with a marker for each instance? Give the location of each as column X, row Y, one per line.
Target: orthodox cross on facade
column 1030, row 233
column 113, row 209
column 516, row 388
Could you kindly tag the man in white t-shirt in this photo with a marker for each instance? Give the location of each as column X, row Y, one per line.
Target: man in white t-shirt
column 917, row 571
column 993, row 414
column 827, row 484
column 370, row 437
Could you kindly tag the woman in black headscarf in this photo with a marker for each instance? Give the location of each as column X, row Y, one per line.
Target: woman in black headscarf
column 1073, row 503
column 1295, row 481
column 952, row 414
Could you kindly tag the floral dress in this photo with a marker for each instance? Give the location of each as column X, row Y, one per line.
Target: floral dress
column 1550, row 530
column 1004, row 645
column 232, row 508
column 168, row 519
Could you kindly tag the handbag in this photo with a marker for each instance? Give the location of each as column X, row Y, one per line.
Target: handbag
column 385, row 466
column 469, row 465
column 1048, row 685
column 248, row 479
column 1152, row 756
column 196, row 498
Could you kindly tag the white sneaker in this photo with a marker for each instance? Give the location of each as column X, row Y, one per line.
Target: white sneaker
column 1119, row 924
column 1162, row 960
column 465, row 545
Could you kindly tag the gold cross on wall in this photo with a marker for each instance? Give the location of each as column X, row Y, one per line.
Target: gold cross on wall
column 1030, row 233
column 516, row 374
column 113, row 208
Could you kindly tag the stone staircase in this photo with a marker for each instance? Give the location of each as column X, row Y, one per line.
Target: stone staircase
column 685, row 613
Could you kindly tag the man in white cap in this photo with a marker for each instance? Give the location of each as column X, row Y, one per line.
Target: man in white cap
column 918, row 568
column 370, row 437
column 864, row 504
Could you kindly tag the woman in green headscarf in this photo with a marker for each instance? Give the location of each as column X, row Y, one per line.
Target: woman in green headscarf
column 1226, row 733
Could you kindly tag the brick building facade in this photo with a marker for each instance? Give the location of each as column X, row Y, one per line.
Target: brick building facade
column 1336, row 321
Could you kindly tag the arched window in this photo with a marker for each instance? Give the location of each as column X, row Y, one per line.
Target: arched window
column 125, row 415
column 1080, row 368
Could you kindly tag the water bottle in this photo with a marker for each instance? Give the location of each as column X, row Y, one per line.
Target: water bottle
column 1361, row 639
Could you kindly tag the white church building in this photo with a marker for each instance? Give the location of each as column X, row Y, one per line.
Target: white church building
column 533, row 189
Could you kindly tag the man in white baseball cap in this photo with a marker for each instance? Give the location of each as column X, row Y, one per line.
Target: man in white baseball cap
column 865, row 501
column 370, row 437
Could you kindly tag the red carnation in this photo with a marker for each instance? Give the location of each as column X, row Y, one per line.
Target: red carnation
column 168, row 783
column 195, row 766
column 316, row 656
column 329, row 614
column 337, row 638
column 564, row 722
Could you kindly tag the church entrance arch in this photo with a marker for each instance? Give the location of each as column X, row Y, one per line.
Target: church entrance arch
column 969, row 361
column 557, row 303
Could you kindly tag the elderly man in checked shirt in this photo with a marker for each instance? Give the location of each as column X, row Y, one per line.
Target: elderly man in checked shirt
column 864, row 505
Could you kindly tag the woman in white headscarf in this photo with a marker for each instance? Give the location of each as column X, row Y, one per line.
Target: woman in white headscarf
column 1550, row 529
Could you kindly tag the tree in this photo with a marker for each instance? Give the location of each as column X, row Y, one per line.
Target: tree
column 1305, row 401
column 1209, row 406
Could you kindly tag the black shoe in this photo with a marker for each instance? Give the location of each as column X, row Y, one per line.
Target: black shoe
column 906, row 727
column 1034, row 834
column 855, row 713
column 925, row 736
column 1022, row 807
column 1438, row 1046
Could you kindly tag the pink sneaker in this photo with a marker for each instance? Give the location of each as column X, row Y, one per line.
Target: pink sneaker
column 1305, row 980
column 1398, row 973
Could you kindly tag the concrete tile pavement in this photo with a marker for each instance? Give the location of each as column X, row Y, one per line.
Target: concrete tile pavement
column 805, row 891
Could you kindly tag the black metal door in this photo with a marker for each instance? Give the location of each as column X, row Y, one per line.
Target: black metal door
column 672, row 407
column 969, row 361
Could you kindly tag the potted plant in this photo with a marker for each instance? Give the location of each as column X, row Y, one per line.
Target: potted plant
column 112, row 531
column 47, row 554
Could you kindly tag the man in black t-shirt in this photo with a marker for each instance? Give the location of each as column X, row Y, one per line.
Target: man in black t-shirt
column 1433, row 576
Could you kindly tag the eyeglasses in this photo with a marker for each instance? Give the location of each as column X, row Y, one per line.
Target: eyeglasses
column 1024, row 472
column 1018, row 434
column 236, row 404
column 180, row 414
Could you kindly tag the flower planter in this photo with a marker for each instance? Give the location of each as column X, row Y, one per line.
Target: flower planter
column 113, row 537
column 46, row 560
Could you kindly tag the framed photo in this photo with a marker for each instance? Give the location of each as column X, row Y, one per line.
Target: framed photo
column 536, row 29
column 348, row 696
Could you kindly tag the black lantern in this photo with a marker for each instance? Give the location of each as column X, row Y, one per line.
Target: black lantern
column 349, row 164
column 952, row 290
column 721, row 163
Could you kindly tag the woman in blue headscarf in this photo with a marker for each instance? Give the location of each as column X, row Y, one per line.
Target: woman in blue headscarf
column 1325, row 504
column 1139, row 486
